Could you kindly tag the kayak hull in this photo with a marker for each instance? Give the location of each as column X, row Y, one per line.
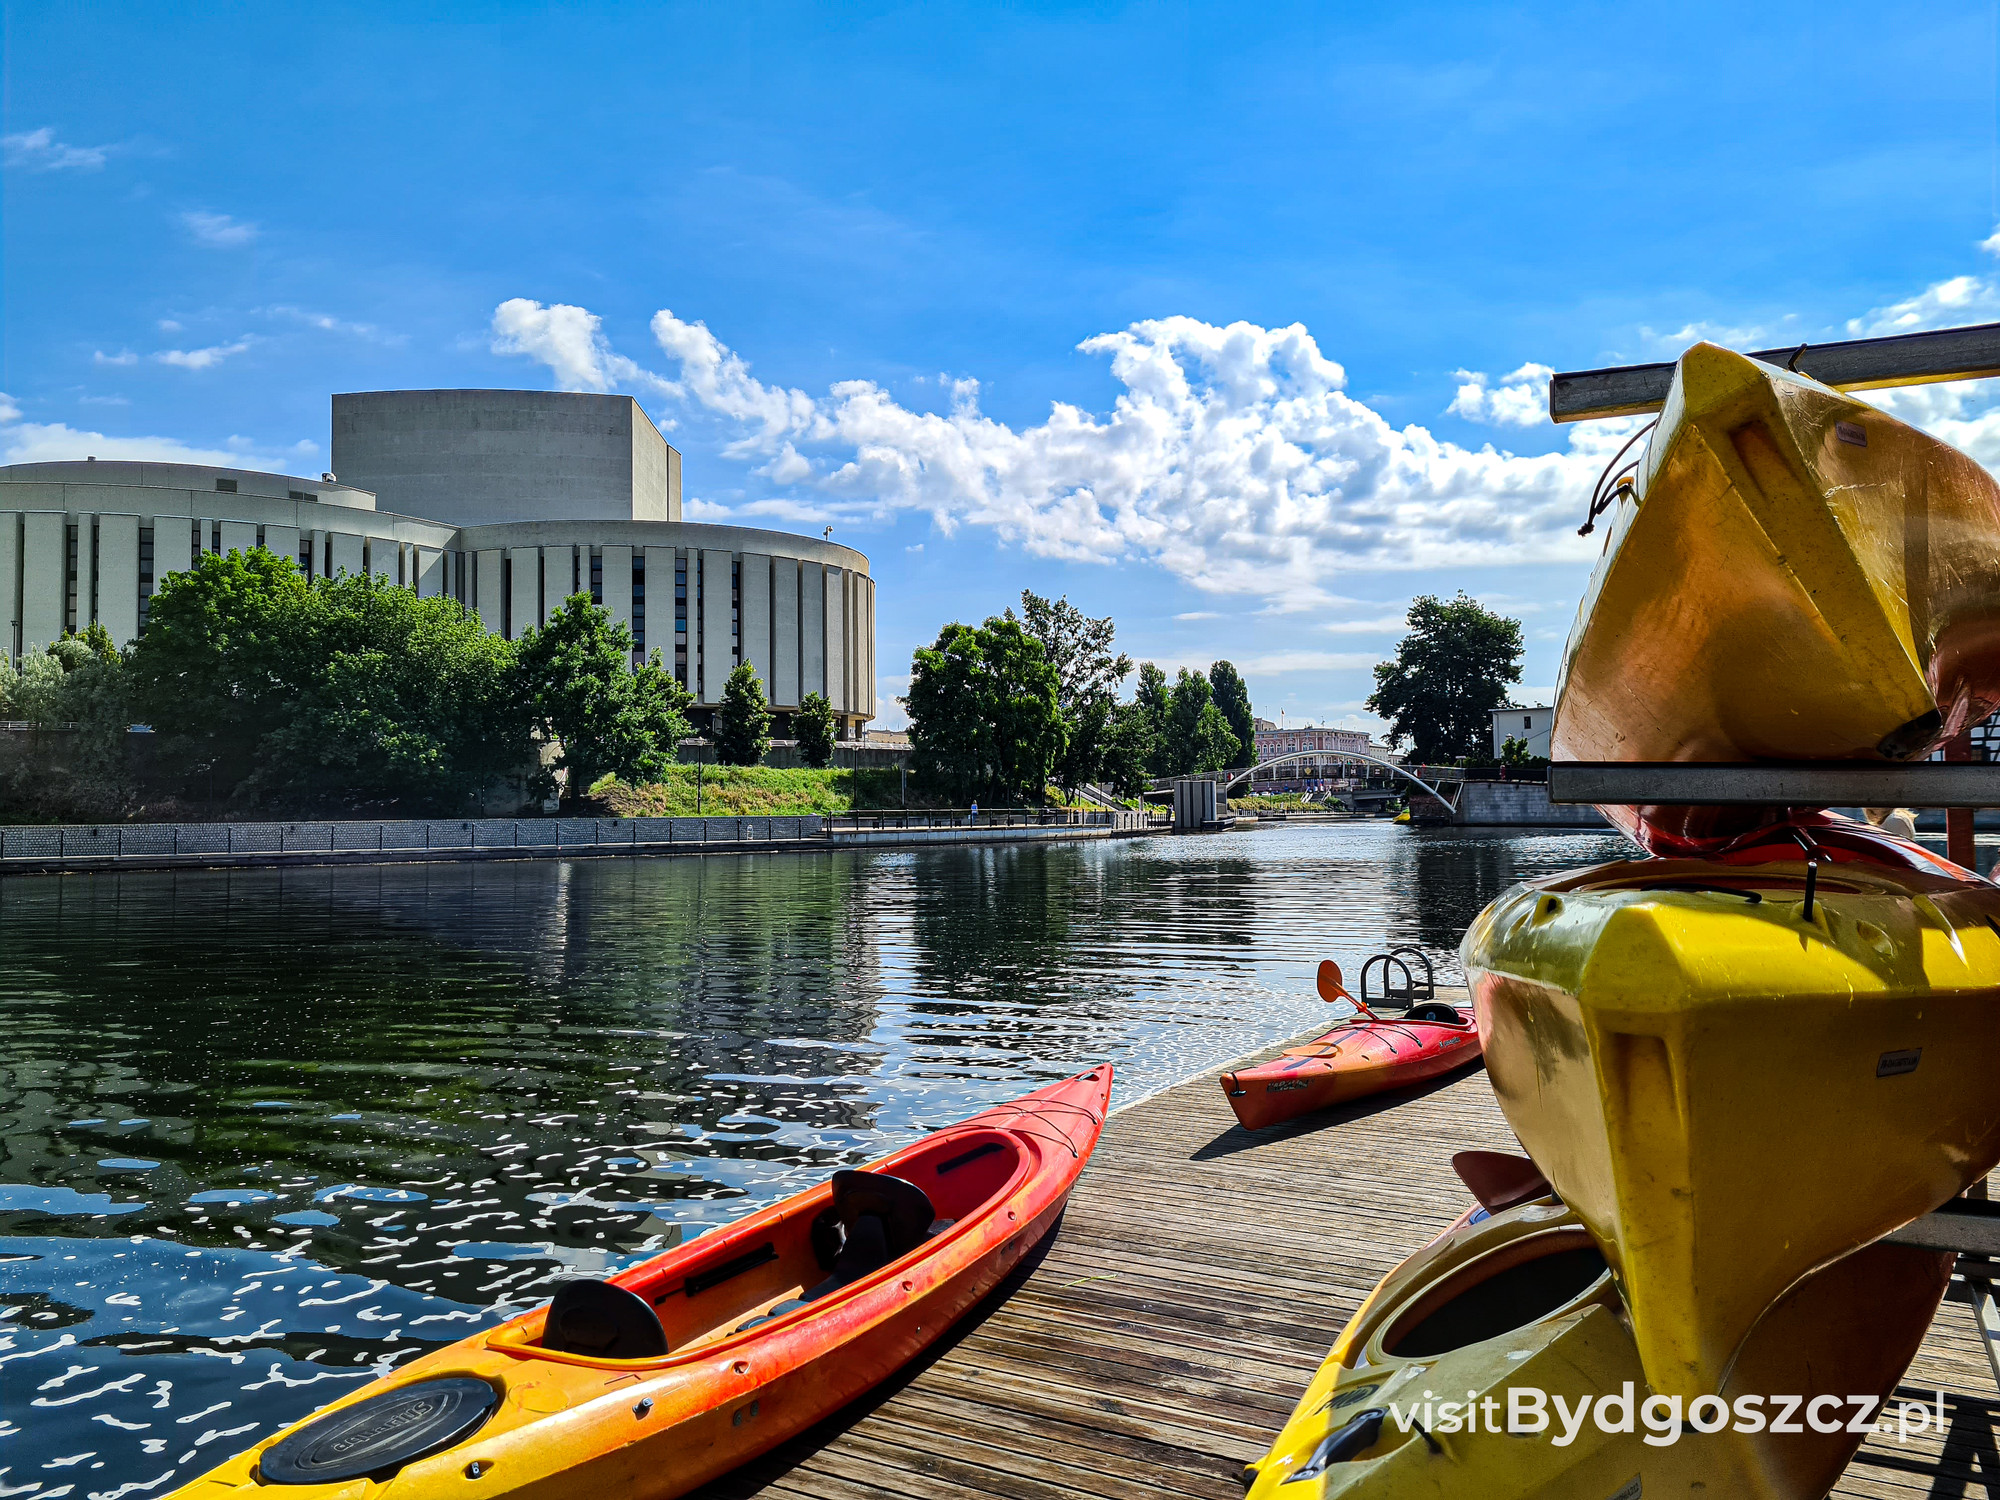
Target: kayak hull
column 1849, row 1330
column 1799, row 577
column 1732, row 1094
column 1354, row 1060
column 574, row 1425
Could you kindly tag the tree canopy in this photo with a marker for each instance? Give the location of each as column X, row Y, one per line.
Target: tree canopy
column 812, row 727
column 1451, row 671
column 610, row 717
column 985, row 719
column 1088, row 673
column 743, row 721
column 1232, row 697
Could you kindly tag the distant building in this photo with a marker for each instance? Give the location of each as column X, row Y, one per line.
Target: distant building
column 1320, row 752
column 1516, row 722
column 508, row 501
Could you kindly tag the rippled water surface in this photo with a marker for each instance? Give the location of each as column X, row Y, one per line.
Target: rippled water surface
column 267, row 1133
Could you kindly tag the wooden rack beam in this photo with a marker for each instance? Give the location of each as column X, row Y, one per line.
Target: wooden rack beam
column 1850, row 365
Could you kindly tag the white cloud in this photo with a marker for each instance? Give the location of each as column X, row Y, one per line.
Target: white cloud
column 1520, row 400
column 1277, row 663
column 327, row 323
column 569, row 340
column 696, row 509
column 218, row 231
column 1199, row 614
column 10, row 410
column 40, row 151
column 1957, row 299
column 168, row 325
column 199, row 359
column 1384, row 625
column 1233, row 457
column 48, row 442
column 105, row 400
column 122, row 357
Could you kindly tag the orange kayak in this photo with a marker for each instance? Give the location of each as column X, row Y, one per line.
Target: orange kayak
column 1364, row 1055
column 671, row 1373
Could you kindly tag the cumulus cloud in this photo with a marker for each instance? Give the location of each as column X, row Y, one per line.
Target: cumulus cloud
column 48, row 442
column 218, row 231
column 570, row 341
column 40, row 151
column 197, row 359
column 122, row 357
column 10, row 410
column 1521, row 399
column 1233, row 456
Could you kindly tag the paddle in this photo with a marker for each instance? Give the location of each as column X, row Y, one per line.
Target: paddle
column 1333, row 991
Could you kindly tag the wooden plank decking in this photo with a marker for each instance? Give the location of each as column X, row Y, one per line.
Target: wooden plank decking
column 1197, row 1282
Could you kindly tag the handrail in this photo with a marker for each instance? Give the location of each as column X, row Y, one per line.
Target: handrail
column 1333, row 755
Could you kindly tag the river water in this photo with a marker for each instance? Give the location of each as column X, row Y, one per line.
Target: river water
column 267, row 1133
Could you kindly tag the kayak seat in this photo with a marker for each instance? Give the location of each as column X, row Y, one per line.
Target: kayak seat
column 1434, row 1010
column 604, row 1321
column 876, row 1218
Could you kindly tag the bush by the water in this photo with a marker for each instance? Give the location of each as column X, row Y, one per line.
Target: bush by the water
column 743, row 791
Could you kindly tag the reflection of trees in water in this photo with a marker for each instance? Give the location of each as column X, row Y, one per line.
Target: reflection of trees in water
column 453, row 1008
column 1453, row 874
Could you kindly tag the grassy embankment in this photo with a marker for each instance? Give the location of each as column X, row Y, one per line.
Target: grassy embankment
column 1274, row 802
column 751, row 791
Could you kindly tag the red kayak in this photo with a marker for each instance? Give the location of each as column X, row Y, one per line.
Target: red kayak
column 667, row 1375
column 1363, row 1055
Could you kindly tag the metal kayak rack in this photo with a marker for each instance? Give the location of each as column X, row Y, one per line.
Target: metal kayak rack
column 1822, row 783
column 1970, row 1228
column 1398, row 961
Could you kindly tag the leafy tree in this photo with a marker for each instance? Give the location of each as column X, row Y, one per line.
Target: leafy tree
column 576, row 678
column 38, row 693
column 812, row 727
column 1451, row 671
column 1232, row 697
column 396, row 698
column 984, row 717
column 1154, row 699
column 1128, row 749
column 213, row 673
column 743, row 721
column 1214, row 742
column 1087, row 672
column 1191, row 694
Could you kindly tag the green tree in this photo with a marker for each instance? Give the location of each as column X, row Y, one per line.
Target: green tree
column 1154, row 699
column 578, row 684
column 1191, row 694
column 214, row 671
column 984, row 718
column 743, row 722
column 1213, row 742
column 1232, row 697
column 1129, row 738
column 1451, row 671
column 39, row 693
column 396, row 699
column 1088, row 673
column 812, row 726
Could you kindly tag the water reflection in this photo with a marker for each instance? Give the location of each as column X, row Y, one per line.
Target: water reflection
column 267, row 1132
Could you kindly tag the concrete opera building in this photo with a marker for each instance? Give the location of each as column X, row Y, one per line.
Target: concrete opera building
column 509, row 501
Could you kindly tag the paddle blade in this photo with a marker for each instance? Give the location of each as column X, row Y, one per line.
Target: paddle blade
column 1330, row 987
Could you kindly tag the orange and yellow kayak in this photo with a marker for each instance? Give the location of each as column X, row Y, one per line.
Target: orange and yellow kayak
column 669, row 1374
column 1365, row 1054
column 1793, row 575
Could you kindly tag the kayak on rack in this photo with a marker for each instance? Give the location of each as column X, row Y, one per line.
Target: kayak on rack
column 669, row 1374
column 1364, row 1054
column 1790, row 574
column 1418, row 1398
column 1740, row 1070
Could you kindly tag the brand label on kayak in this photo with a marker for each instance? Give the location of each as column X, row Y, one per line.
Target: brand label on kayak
column 1290, row 1083
column 1851, row 433
column 1893, row 1064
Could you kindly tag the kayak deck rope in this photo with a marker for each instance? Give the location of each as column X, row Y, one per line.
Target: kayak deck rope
column 1024, row 1113
column 1603, row 494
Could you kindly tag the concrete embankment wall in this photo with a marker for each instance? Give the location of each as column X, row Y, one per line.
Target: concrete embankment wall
column 1519, row 804
column 164, row 846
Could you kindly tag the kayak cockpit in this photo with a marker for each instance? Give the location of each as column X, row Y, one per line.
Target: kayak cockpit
column 781, row 1265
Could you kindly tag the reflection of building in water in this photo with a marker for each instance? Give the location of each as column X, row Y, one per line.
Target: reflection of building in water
column 508, row 501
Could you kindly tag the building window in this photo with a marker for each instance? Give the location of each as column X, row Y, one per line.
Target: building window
column 638, row 604
column 69, row 575
column 302, row 495
column 681, row 618
column 735, row 613
column 306, row 556
column 507, row 596
column 596, row 577
column 145, row 574
column 227, row 486
column 1527, row 721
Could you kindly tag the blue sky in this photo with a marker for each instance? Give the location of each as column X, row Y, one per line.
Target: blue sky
column 1205, row 316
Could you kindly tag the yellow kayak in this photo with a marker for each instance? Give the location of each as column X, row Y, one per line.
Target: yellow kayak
column 1732, row 1093
column 1417, row 1398
column 1796, row 576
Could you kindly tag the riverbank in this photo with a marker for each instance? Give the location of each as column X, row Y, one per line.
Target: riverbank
column 76, row 848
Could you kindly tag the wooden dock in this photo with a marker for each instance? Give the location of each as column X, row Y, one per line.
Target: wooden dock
column 1198, row 1280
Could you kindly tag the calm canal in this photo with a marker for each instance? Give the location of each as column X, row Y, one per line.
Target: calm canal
column 267, row 1133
